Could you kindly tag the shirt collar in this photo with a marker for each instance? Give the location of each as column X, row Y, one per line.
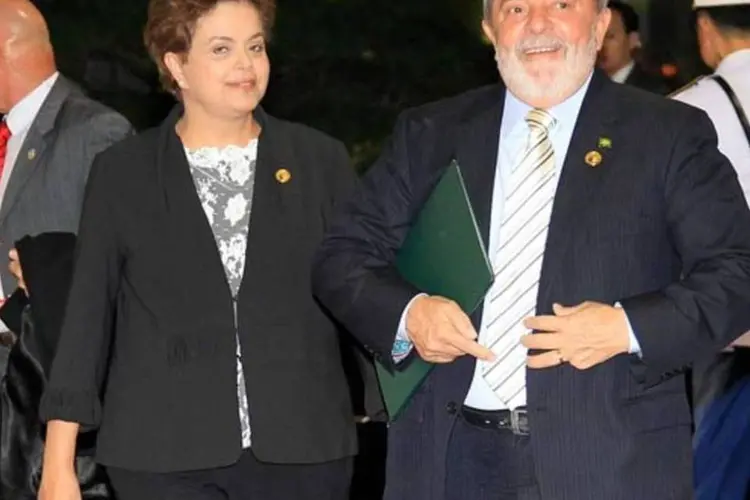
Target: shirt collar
column 734, row 61
column 623, row 73
column 565, row 113
column 21, row 115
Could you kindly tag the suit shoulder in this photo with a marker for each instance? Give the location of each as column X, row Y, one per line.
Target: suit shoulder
column 640, row 103
column 457, row 108
column 133, row 151
column 688, row 88
column 79, row 109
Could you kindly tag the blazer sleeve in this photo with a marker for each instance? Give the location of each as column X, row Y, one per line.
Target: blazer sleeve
column 354, row 274
column 79, row 366
column 709, row 223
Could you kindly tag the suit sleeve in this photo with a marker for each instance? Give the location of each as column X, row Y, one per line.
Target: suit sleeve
column 709, row 222
column 79, row 366
column 354, row 275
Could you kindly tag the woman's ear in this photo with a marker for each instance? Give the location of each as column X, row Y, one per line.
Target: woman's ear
column 174, row 63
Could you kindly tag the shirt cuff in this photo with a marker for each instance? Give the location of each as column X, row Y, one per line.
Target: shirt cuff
column 402, row 347
column 635, row 346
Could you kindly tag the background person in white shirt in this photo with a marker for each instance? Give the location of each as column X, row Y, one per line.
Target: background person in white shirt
column 48, row 138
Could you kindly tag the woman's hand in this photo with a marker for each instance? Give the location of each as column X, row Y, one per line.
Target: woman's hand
column 60, row 484
column 59, row 479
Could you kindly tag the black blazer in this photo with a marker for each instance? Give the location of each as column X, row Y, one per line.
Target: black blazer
column 150, row 321
column 660, row 225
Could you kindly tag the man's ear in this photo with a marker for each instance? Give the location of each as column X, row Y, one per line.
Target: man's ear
column 634, row 40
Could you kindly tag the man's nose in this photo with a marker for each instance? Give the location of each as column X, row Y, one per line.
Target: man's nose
column 538, row 19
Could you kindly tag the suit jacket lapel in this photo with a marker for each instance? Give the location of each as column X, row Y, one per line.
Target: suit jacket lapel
column 190, row 231
column 278, row 181
column 186, row 217
column 579, row 184
column 31, row 154
column 476, row 152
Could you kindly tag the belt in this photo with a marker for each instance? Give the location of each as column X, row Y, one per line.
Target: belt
column 516, row 421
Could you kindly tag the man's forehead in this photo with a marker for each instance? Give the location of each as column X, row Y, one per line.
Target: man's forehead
column 616, row 22
column 488, row 3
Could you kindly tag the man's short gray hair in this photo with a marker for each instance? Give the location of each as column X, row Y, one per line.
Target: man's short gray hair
column 488, row 6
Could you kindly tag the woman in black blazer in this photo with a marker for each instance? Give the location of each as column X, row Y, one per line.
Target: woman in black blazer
column 191, row 339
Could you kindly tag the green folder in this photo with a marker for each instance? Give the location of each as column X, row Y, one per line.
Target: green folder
column 443, row 254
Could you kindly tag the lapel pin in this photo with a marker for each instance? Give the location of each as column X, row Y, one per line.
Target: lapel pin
column 283, row 176
column 605, row 142
column 31, row 154
column 593, row 158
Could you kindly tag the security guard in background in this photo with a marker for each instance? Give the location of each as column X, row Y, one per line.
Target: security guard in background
column 724, row 39
column 721, row 384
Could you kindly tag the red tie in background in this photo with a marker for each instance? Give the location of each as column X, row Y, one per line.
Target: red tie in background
column 4, row 136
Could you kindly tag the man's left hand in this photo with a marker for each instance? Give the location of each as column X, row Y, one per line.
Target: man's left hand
column 584, row 335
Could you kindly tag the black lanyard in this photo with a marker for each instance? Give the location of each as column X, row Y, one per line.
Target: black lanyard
column 735, row 104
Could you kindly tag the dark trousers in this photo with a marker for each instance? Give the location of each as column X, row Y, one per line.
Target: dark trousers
column 489, row 464
column 248, row 479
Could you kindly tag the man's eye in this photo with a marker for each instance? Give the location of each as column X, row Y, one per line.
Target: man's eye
column 563, row 5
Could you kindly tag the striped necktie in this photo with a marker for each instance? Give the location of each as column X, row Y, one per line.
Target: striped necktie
column 518, row 260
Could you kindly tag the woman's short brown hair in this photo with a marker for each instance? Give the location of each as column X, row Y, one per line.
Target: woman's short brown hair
column 171, row 25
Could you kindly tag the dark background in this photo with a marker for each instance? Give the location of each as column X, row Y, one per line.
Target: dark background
column 345, row 66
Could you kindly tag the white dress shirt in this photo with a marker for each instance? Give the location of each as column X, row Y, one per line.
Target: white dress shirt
column 708, row 96
column 514, row 134
column 19, row 120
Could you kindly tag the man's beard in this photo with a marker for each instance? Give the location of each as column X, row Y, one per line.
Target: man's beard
column 554, row 81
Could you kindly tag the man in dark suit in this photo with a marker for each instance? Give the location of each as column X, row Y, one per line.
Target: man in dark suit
column 617, row 55
column 618, row 235
column 48, row 138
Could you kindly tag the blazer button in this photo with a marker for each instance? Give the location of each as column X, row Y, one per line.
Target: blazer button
column 451, row 408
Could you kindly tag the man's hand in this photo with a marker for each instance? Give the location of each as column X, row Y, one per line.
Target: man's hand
column 585, row 335
column 441, row 331
column 15, row 269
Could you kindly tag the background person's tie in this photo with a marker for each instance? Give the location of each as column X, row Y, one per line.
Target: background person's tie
column 4, row 138
column 518, row 261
